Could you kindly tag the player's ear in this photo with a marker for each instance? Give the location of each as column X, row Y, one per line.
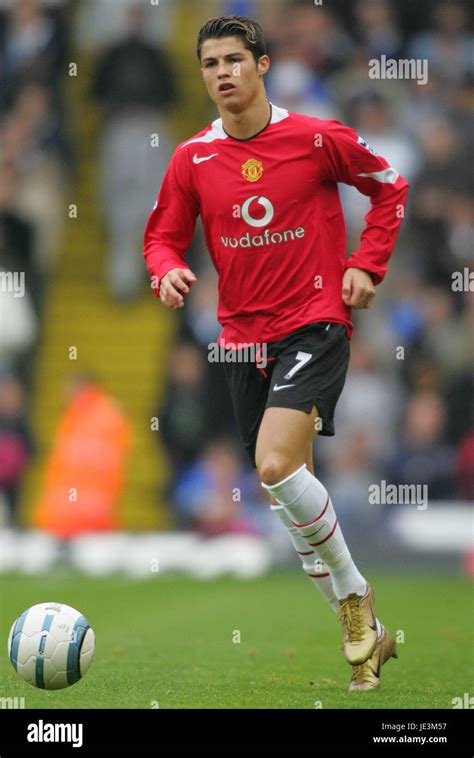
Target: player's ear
column 263, row 64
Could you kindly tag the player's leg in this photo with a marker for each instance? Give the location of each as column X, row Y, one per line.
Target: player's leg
column 281, row 451
column 313, row 566
column 251, row 393
column 249, row 390
column 365, row 676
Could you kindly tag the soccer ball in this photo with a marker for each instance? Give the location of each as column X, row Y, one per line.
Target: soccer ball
column 51, row 645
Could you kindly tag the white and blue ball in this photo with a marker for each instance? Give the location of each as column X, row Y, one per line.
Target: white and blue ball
column 51, row 645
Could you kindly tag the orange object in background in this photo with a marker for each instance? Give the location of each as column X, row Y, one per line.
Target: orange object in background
column 85, row 470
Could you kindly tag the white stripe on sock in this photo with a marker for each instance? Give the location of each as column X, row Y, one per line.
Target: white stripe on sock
column 309, row 507
column 315, row 569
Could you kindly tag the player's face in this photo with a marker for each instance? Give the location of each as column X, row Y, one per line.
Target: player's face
column 231, row 75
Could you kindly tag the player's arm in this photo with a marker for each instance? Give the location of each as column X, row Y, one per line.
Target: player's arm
column 169, row 232
column 349, row 160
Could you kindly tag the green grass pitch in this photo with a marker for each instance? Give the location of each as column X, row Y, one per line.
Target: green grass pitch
column 170, row 642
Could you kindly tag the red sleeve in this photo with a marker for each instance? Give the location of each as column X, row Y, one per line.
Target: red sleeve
column 350, row 160
column 170, row 227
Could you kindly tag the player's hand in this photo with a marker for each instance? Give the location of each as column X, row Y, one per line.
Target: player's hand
column 358, row 290
column 174, row 285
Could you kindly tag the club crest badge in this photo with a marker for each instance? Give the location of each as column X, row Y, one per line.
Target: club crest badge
column 252, row 170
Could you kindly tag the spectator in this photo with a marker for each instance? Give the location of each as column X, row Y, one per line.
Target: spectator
column 421, row 104
column 351, row 81
column 100, row 24
column 34, row 105
column 200, row 315
column 207, row 495
column 376, row 27
column 404, row 314
column 465, row 467
column 16, row 443
column 313, row 37
column 183, row 420
column 299, row 87
column 368, row 389
column 446, row 335
column 459, row 397
column 448, row 46
column 422, row 455
column 371, row 118
column 17, row 237
column 32, row 49
column 353, row 469
column 134, row 85
column 444, row 175
column 85, row 470
column 18, row 321
column 31, row 144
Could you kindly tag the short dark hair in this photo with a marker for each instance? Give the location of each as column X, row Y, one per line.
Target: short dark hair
column 250, row 32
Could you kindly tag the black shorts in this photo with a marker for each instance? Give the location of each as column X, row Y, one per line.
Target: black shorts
column 306, row 368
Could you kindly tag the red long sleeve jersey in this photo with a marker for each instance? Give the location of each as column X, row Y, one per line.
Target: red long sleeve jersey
column 273, row 221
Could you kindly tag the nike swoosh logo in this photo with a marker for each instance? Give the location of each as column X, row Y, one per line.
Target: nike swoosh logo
column 375, row 673
column 281, row 386
column 307, row 536
column 196, row 159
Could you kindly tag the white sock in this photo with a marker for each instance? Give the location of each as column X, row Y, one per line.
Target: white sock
column 312, row 565
column 309, row 507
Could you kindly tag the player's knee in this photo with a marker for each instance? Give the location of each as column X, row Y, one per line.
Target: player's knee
column 274, row 467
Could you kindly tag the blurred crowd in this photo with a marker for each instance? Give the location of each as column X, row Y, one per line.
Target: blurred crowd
column 406, row 411
column 36, row 167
